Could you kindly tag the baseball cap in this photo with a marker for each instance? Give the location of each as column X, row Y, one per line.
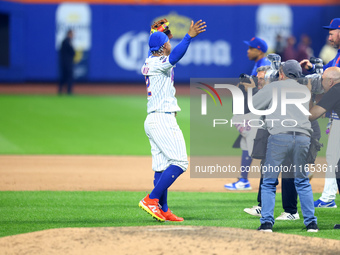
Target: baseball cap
column 257, row 43
column 335, row 24
column 291, row 68
column 156, row 40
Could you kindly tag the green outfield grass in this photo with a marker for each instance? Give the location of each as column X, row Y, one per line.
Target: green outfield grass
column 87, row 125
column 23, row 212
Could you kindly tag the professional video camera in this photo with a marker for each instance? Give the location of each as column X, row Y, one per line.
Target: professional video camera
column 318, row 64
column 245, row 78
column 315, row 78
column 273, row 73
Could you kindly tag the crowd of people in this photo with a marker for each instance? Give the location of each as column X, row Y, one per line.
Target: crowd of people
column 292, row 145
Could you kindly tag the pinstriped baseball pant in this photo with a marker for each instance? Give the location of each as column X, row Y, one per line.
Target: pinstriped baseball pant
column 332, row 157
column 166, row 140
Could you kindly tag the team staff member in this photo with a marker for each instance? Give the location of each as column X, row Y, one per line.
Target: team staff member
column 327, row 199
column 257, row 49
column 169, row 157
column 66, row 55
column 286, row 142
column 334, row 39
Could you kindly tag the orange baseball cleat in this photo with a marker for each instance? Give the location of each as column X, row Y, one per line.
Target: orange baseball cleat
column 151, row 207
column 169, row 216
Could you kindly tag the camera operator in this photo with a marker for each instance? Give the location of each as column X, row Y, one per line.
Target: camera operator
column 327, row 199
column 286, row 143
column 289, row 194
column 256, row 52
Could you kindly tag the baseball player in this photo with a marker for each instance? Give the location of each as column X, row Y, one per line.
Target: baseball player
column 169, row 157
column 332, row 157
column 330, row 101
column 256, row 52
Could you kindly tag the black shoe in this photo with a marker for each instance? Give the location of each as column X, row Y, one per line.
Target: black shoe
column 266, row 227
column 312, row 227
column 337, row 226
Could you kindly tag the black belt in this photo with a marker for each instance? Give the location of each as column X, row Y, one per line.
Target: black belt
column 294, row 133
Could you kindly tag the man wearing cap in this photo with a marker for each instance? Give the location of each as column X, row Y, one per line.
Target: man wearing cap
column 327, row 199
column 169, row 157
column 256, row 52
column 334, row 39
column 286, row 141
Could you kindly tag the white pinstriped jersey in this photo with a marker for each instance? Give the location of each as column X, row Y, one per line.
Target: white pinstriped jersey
column 159, row 78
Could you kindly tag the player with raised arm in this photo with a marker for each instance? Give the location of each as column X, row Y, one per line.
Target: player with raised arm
column 169, row 157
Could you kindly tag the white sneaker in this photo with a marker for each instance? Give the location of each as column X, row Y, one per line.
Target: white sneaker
column 288, row 216
column 241, row 184
column 255, row 211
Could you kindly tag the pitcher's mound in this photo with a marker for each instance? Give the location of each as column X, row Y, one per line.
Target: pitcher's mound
column 163, row 240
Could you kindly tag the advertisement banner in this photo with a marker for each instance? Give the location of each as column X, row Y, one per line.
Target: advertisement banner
column 112, row 40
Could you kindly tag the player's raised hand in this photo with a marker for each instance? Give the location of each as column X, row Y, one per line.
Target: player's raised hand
column 197, row 28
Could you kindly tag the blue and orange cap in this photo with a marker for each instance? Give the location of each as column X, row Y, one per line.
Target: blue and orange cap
column 157, row 40
column 257, row 43
column 335, row 24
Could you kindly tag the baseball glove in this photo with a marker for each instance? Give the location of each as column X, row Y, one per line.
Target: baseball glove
column 161, row 26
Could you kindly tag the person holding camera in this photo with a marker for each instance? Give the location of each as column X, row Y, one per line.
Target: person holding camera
column 327, row 199
column 286, row 142
column 289, row 194
column 257, row 49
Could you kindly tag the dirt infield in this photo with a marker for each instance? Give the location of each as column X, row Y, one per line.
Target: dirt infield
column 129, row 173
column 163, row 240
column 105, row 173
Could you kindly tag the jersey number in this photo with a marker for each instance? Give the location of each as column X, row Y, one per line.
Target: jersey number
column 147, row 81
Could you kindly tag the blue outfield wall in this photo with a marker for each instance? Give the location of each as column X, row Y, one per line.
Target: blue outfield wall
column 118, row 38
